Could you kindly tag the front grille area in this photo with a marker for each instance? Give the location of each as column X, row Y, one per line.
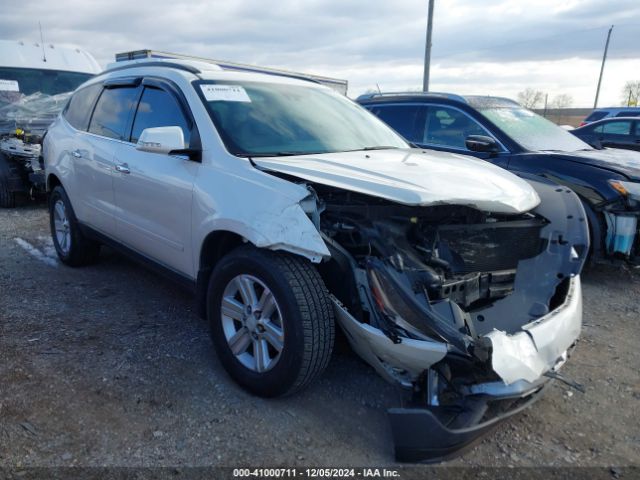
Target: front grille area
column 489, row 247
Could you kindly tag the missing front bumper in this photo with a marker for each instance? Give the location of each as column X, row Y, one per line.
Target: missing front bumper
column 420, row 436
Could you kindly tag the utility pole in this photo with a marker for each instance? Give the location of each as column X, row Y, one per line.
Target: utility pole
column 427, row 48
column 44, row 55
column 604, row 58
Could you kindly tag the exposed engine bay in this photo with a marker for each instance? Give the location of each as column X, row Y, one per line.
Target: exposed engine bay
column 472, row 312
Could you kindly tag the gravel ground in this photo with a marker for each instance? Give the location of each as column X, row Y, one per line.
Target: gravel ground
column 109, row 365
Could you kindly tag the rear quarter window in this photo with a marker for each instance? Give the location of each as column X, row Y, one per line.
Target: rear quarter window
column 78, row 111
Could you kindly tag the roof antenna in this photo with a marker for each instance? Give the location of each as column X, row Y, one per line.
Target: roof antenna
column 44, row 56
column 379, row 91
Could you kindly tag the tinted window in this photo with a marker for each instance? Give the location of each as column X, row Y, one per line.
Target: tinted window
column 158, row 108
column 595, row 116
column 407, row 120
column 632, row 113
column 638, row 129
column 449, row 127
column 80, row 106
column 112, row 112
column 617, row 128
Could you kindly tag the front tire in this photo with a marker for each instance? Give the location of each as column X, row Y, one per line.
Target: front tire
column 271, row 320
column 72, row 246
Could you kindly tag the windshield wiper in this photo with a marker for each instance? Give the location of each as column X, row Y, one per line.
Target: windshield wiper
column 381, row 147
column 377, row 147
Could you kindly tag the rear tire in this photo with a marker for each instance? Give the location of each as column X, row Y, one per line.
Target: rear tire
column 72, row 246
column 299, row 311
column 7, row 197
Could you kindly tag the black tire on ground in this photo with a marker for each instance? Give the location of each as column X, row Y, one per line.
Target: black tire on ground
column 7, row 197
column 306, row 316
column 82, row 250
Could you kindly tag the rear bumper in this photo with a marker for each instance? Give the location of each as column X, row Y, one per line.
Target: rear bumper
column 420, row 436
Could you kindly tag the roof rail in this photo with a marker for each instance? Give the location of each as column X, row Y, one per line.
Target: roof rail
column 335, row 83
column 451, row 96
column 156, row 63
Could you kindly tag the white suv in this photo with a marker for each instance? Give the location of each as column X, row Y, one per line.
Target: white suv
column 287, row 207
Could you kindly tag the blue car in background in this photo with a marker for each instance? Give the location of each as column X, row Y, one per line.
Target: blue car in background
column 502, row 132
column 616, row 132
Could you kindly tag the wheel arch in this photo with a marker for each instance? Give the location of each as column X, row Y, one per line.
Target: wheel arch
column 214, row 246
column 52, row 182
column 597, row 230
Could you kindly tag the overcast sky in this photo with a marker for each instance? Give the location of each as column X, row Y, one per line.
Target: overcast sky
column 496, row 47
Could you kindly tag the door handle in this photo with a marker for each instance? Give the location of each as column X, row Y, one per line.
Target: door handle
column 122, row 168
column 76, row 153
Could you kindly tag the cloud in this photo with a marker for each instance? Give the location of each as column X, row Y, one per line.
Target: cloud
column 476, row 45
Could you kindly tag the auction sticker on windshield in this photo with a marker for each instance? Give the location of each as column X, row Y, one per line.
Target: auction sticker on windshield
column 9, row 86
column 224, row 93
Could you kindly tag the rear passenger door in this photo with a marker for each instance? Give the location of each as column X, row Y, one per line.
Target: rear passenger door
column 153, row 192
column 94, row 161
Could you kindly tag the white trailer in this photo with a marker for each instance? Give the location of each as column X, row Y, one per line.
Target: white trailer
column 36, row 81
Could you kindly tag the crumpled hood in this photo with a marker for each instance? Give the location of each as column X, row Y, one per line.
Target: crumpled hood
column 626, row 162
column 411, row 177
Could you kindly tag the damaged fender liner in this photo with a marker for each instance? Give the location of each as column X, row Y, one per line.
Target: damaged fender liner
column 419, row 436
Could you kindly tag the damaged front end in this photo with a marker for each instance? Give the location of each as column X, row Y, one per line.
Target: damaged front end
column 472, row 312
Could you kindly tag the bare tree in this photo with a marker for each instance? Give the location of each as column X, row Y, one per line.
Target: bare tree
column 530, row 98
column 563, row 100
column 631, row 93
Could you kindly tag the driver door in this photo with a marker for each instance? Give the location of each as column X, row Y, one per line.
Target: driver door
column 154, row 191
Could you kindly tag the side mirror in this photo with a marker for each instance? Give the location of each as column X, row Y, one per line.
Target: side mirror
column 481, row 143
column 161, row 140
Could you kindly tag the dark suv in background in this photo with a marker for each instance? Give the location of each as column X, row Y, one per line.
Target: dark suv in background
column 621, row 132
column 502, row 132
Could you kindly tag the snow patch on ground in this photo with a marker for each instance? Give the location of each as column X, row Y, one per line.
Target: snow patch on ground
column 47, row 257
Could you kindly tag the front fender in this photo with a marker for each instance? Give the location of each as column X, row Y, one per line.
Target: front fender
column 260, row 208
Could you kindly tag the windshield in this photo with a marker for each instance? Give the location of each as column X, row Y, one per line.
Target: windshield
column 48, row 82
column 532, row 131
column 269, row 119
